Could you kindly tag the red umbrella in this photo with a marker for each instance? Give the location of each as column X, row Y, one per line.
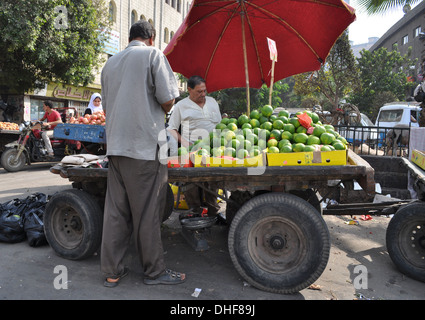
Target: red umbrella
column 225, row 41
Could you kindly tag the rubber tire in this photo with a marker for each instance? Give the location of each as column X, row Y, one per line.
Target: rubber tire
column 5, row 160
column 405, row 240
column 304, row 256
column 81, row 239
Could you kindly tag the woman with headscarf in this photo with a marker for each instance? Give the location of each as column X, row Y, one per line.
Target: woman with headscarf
column 95, row 104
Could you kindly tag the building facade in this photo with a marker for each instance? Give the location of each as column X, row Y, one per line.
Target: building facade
column 165, row 15
column 409, row 31
column 363, row 46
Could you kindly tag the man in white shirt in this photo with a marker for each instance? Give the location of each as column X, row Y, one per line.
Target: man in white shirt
column 197, row 115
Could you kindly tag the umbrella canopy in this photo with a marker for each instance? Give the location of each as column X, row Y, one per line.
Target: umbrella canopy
column 225, row 41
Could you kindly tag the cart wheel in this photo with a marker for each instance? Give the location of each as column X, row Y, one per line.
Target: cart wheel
column 405, row 240
column 279, row 243
column 73, row 224
column 9, row 161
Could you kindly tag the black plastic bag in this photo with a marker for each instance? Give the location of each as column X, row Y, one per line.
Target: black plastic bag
column 35, row 200
column 33, row 219
column 11, row 224
column 33, row 227
column 20, row 219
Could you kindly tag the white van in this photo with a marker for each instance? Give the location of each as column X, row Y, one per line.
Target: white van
column 395, row 113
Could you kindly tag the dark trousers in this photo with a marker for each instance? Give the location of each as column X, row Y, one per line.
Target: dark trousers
column 135, row 198
column 197, row 197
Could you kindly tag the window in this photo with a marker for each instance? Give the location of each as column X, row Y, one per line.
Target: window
column 390, row 116
column 166, row 35
column 142, row 17
column 133, row 17
column 405, row 39
column 36, row 110
column 417, row 32
column 179, row 4
column 414, row 115
column 112, row 11
column 167, row 1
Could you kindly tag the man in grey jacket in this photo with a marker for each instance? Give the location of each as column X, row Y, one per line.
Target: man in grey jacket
column 138, row 88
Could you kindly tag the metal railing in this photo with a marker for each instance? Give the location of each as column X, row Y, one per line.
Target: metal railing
column 381, row 141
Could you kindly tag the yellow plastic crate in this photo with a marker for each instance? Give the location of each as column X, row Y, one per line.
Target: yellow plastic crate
column 418, row 157
column 325, row 158
column 206, row 161
column 182, row 202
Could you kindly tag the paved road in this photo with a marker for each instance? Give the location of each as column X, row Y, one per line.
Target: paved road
column 38, row 273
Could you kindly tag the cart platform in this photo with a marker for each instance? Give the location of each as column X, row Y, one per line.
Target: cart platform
column 7, row 136
column 80, row 132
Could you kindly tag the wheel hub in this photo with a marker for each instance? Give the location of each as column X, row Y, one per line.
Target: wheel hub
column 417, row 237
column 277, row 242
column 422, row 242
column 413, row 247
column 75, row 223
column 68, row 228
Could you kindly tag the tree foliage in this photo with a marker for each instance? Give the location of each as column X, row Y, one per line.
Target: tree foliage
column 45, row 40
column 233, row 101
column 383, row 73
column 382, row 6
column 337, row 78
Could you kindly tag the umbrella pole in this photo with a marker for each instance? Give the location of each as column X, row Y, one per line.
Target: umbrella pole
column 246, row 64
column 271, row 83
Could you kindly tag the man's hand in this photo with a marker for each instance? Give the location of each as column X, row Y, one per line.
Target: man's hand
column 179, row 138
column 167, row 106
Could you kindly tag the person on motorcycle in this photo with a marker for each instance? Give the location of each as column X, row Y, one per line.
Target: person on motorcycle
column 53, row 118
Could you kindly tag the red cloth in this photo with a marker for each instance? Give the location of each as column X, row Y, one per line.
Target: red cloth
column 304, row 120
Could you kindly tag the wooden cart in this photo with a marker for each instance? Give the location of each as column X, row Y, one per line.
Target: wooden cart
column 278, row 240
column 7, row 136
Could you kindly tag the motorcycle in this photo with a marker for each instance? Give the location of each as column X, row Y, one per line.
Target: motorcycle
column 30, row 148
